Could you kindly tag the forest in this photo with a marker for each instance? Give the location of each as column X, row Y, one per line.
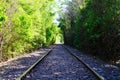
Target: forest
column 91, row 26
column 25, row 25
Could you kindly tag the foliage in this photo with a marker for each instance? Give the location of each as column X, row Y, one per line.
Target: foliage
column 93, row 26
column 25, row 25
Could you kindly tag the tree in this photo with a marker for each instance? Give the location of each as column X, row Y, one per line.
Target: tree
column 93, row 26
column 25, row 26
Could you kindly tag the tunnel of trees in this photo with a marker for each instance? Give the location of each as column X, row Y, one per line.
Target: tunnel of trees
column 92, row 26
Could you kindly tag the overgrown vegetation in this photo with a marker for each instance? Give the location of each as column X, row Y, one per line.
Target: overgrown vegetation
column 25, row 25
column 93, row 26
column 89, row 25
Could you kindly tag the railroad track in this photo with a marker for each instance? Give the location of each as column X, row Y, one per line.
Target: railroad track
column 24, row 75
column 21, row 77
column 87, row 66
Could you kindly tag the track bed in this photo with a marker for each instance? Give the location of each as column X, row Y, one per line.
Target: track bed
column 60, row 65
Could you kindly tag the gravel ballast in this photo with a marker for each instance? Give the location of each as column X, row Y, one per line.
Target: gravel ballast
column 13, row 68
column 60, row 65
column 106, row 70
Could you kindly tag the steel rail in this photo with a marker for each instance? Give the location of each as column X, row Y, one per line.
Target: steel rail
column 87, row 66
column 21, row 77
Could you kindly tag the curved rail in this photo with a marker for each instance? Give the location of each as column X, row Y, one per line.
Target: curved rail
column 21, row 77
column 87, row 66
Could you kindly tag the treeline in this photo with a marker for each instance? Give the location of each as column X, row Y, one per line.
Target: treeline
column 93, row 26
column 25, row 25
